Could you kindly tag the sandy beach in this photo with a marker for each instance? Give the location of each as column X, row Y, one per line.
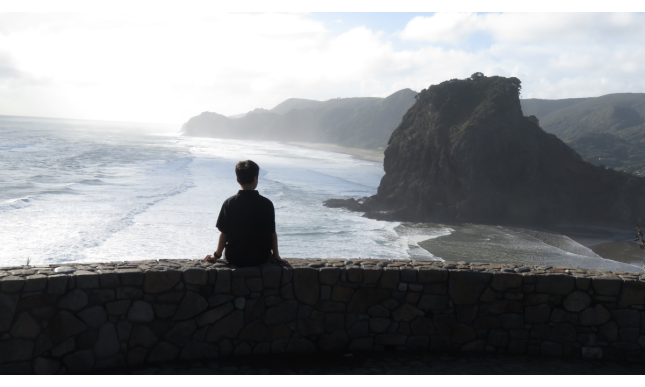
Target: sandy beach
column 359, row 153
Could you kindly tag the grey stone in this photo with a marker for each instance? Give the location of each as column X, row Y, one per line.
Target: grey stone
column 498, row 338
column 488, row 322
column 117, row 307
column 254, row 331
column 466, row 287
column 57, row 284
column 564, row 333
column 501, row 306
column 325, row 292
column 100, row 296
column 328, row 275
column 418, row 343
column 114, row 362
column 287, row 292
column 443, row 323
column 518, row 346
column 537, row 314
column 503, row 282
column 163, row 352
column 379, row 325
column 390, row 304
column 280, row 331
column 391, row 339
column 287, row 275
column 251, row 271
column 427, row 274
column 372, row 275
column 192, row 305
column 227, row 327
column 299, row 345
column 74, row 300
column 359, row 329
column 164, row 310
column 137, row 356
column 309, row 327
column 195, row 276
column 271, row 276
column 25, row 327
column 11, row 284
column 334, row 322
column 242, row 349
column 364, row 344
column 365, row 298
column 540, row 332
column 577, row 301
column 608, row 332
column 240, row 302
column 415, row 287
column 629, row 334
column 390, row 278
column 123, row 330
column 262, row 349
column 86, row 280
column 435, row 288
column 512, row 321
column 282, row 313
column 305, row 285
column 551, row 349
column 473, row 346
column 535, row 299
column 606, row 286
column 462, row 334
column 79, row 362
column 253, row 309
column 583, row 283
column 330, row 306
column 407, row 313
column 109, row 279
column 597, row 315
column 197, row 351
column 429, row 301
column 35, row 283
column 219, row 299
column 408, row 274
column 626, row 318
column 160, row 281
column 14, row 350
column 354, row 274
column 239, row 288
column 141, row 312
column 142, row 336
column 254, row 284
column 633, row 294
column 94, row 316
column 378, row 311
column 279, row 346
column 64, row 348
column 555, row 284
column 44, row 366
column 422, row 326
column 223, row 283
column 65, row 325
column 131, row 277
column 108, row 342
column 8, row 305
column 333, row 342
column 128, row 293
column 225, row 348
column 181, row 333
column 341, row 293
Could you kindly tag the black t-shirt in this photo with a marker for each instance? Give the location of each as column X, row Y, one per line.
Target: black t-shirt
column 248, row 220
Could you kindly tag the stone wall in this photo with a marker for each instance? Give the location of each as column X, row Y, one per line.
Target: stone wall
column 90, row 317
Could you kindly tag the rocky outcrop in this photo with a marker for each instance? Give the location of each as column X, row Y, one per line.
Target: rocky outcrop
column 466, row 152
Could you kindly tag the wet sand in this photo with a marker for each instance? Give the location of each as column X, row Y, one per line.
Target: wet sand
column 358, row 153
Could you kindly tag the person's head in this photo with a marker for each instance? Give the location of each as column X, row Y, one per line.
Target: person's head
column 247, row 174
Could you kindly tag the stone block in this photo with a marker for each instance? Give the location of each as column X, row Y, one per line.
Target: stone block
column 100, row 296
column 429, row 302
column 299, row 345
column 502, row 282
column 362, row 299
column 341, row 293
column 223, row 280
column 57, row 284
column 79, row 362
column 35, row 283
column 443, row 323
column 606, row 286
column 629, row 334
column 128, row 293
column 498, row 338
column 8, row 304
column 280, row 331
column 284, row 312
column 359, row 329
column 473, row 346
column 537, row 314
column 254, row 284
column 242, row 349
column 409, row 274
column 328, row 275
column 372, row 275
column 143, row 336
column 287, row 275
column 633, row 294
column 512, row 321
column 378, row 311
column 465, row 287
column 14, row 350
column 252, row 271
column 412, row 298
column 86, row 340
column 94, row 316
column 109, row 279
column 535, row 299
column 253, row 309
column 577, row 301
column 279, row 346
column 305, row 285
column 195, row 276
column 141, row 312
column 407, row 313
column 239, row 303
column 123, row 330
column 551, row 349
column 287, row 292
column 163, row 352
column 330, row 306
column 487, row 322
column 389, row 278
column 462, row 334
column 192, row 305
column 390, row 339
column 262, row 349
column 271, row 276
column 239, row 288
column 74, row 300
column 227, row 327
column 379, row 325
column 64, row 326
column 333, row 342
column 44, row 366
column 501, row 306
column 163, row 311
column 160, row 281
column 354, row 274
column 555, row 284
column 626, row 317
column 117, row 307
column 597, row 315
column 564, row 333
column 361, row 345
column 130, row 277
column 86, row 280
column 11, row 284
column 431, row 288
column 540, row 332
column 308, row 328
column 422, row 326
column 25, row 327
column 427, row 274
column 108, row 341
column 440, row 343
column 181, row 333
column 219, row 299
column 583, row 283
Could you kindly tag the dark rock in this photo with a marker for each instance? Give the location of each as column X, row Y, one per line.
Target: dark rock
column 108, row 342
column 197, row 351
column 365, row 298
column 362, row 345
column 219, row 299
column 473, row 346
column 608, row 332
column 606, row 286
column 239, row 288
column 379, row 325
column 94, row 316
column 57, row 284
column 555, row 284
column 512, row 321
column 408, row 275
column 35, row 283
column 242, row 350
column 577, row 301
column 123, row 330
column 597, row 315
column 427, row 274
column 422, row 326
column 406, row 313
column 551, row 349
column 227, row 327
column 86, row 280
column 128, row 293
column 341, row 293
column 114, row 362
column 372, row 275
column 462, row 333
column 440, row 343
column 284, row 312
column 535, row 299
column 391, row 339
column 192, row 305
column 181, row 333
column 308, row 328
column 239, row 303
column 537, row 314
column 225, row 348
column 306, row 287
column 271, row 276
column 299, row 345
column 254, row 284
column 564, row 333
column 501, row 306
column 433, row 302
column 109, row 279
column 44, row 366
column 11, row 284
column 633, row 294
column 25, row 327
column 389, row 278
column 443, row 323
column 255, row 331
column 14, row 350
column 86, row 340
column 540, row 332
column 164, row 310
column 378, row 311
column 359, row 329
column 498, row 338
column 163, row 352
column 142, row 336
column 253, row 309
column 101, row 296
column 466, row 287
column 629, row 334
column 160, row 281
column 281, row 331
column 330, row 306
column 334, row 322
column 8, row 305
column 489, row 322
column 503, row 282
column 287, row 292
column 627, row 318
column 130, row 277
column 328, row 275
column 223, row 283
column 279, row 346
column 136, row 356
column 195, row 276
column 141, row 312
column 79, row 362
column 333, row 342
column 74, row 300
column 117, row 307
column 350, row 204
column 64, row 326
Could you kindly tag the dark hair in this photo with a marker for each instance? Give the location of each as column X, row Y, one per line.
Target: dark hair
column 246, row 170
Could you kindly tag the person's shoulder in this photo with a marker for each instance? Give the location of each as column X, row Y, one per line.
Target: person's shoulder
column 230, row 199
column 265, row 200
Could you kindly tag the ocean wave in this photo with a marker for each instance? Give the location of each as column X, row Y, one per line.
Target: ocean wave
column 16, row 204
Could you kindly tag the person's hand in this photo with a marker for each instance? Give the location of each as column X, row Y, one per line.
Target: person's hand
column 276, row 258
column 210, row 258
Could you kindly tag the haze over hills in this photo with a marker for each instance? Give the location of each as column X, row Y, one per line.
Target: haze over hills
column 466, row 152
column 353, row 122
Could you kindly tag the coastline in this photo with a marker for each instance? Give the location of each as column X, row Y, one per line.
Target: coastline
column 375, row 155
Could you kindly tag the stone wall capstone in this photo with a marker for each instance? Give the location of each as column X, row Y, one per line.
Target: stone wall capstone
column 83, row 318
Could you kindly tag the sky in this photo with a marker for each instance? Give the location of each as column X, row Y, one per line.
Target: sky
column 168, row 67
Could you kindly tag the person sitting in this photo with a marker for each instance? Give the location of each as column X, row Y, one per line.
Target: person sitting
column 247, row 223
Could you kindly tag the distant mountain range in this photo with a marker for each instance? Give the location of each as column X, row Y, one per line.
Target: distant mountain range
column 353, row 122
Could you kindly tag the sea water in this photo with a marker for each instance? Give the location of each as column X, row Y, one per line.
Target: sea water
column 79, row 191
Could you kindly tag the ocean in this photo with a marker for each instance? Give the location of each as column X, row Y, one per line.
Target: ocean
column 88, row 191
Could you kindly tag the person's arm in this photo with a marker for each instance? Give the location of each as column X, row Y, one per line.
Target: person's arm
column 220, row 248
column 274, row 247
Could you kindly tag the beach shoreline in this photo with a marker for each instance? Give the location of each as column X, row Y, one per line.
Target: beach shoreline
column 375, row 155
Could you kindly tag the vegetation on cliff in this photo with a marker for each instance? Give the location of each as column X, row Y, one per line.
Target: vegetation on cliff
column 466, row 152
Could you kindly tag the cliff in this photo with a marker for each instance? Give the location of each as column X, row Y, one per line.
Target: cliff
column 353, row 122
column 466, row 152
